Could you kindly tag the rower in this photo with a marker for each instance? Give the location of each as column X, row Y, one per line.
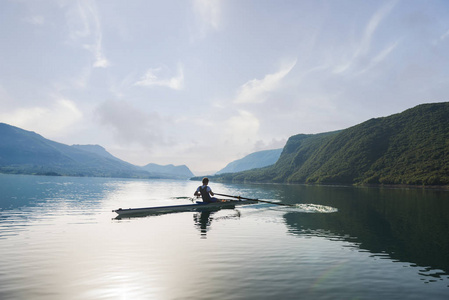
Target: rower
column 205, row 192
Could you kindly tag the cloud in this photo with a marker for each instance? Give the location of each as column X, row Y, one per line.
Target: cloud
column 161, row 77
column 270, row 145
column 364, row 45
column 84, row 23
column 373, row 24
column 52, row 120
column 241, row 129
column 130, row 124
column 100, row 59
column 256, row 90
column 380, row 57
column 240, row 135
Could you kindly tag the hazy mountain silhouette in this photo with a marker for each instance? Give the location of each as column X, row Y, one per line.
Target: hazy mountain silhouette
column 252, row 161
column 26, row 152
column 170, row 170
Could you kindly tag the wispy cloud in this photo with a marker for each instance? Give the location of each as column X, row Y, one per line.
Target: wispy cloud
column 372, row 26
column 364, row 45
column 97, row 50
column 84, row 23
column 161, row 77
column 256, row 90
column 380, row 57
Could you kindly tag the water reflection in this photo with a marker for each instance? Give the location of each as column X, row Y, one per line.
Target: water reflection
column 405, row 225
column 203, row 221
column 26, row 200
column 202, row 218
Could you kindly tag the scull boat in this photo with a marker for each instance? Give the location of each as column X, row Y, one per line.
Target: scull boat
column 198, row 206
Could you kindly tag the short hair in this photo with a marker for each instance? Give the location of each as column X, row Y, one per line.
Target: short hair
column 205, row 180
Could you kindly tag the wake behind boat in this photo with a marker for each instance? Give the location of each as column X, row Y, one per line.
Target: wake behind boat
column 198, row 206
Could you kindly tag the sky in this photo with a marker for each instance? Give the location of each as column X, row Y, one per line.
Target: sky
column 206, row 82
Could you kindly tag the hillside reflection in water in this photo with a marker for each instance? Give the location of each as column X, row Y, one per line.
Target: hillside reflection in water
column 408, row 225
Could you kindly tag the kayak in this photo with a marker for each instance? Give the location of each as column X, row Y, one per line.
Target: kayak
column 198, row 206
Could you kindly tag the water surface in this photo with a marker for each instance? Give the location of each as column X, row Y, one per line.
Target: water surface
column 59, row 239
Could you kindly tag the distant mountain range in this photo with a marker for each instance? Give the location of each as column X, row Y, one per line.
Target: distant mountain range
column 410, row 148
column 169, row 170
column 252, row 161
column 26, row 152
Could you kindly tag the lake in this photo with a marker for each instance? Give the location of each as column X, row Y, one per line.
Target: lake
column 59, row 239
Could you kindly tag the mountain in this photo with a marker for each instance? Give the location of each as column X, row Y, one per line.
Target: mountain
column 252, row 161
column 26, row 152
column 97, row 149
column 168, row 171
column 180, row 172
column 410, row 148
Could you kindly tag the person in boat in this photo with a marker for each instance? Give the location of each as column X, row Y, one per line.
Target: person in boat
column 205, row 192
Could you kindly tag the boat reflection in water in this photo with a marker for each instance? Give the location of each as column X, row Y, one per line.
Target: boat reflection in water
column 203, row 219
column 202, row 216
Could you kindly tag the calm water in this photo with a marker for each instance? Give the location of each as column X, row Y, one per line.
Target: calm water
column 60, row 240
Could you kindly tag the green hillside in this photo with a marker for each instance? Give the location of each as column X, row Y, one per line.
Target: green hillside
column 407, row 148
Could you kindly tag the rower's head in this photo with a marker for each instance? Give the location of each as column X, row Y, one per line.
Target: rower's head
column 205, row 181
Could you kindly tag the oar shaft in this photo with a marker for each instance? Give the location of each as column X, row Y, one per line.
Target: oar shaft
column 239, row 197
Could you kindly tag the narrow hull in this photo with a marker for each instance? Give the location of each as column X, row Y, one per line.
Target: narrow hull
column 199, row 206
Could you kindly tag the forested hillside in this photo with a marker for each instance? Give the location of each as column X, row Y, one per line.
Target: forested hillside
column 411, row 147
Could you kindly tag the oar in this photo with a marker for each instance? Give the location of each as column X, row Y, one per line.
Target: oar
column 265, row 201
